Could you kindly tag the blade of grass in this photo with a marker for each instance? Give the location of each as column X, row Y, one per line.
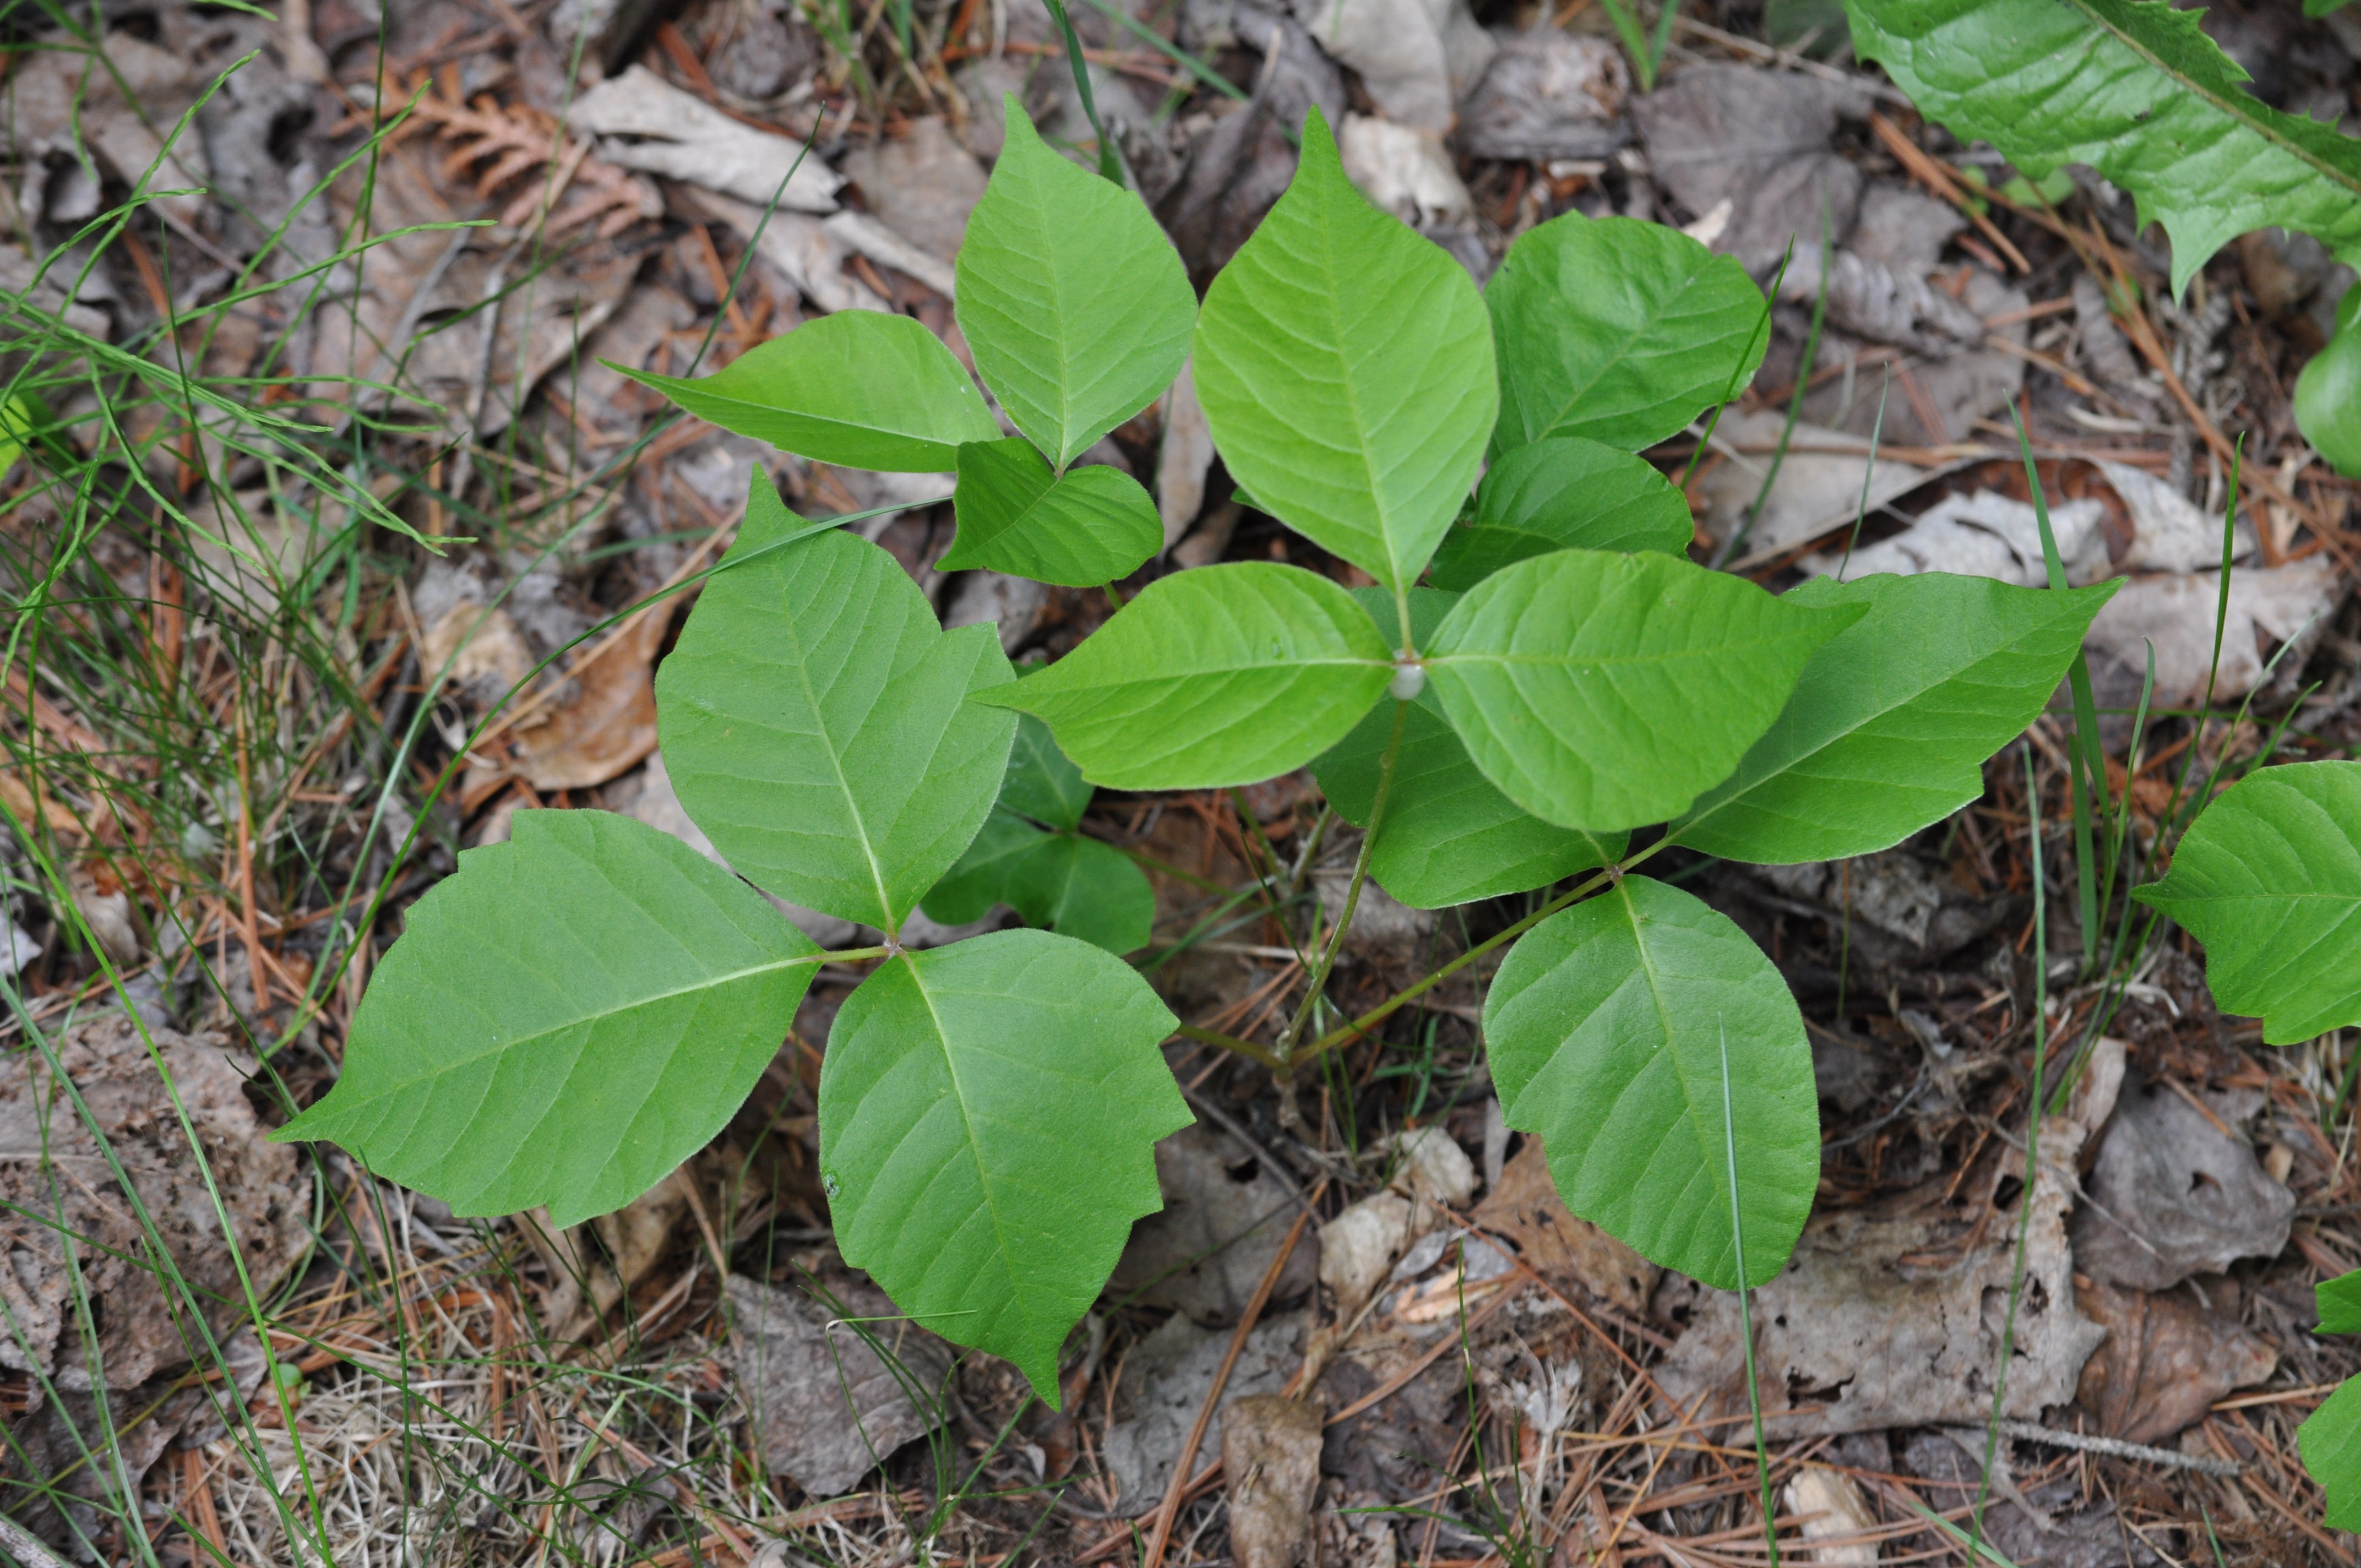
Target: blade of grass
column 1745, row 1311
column 1737, row 540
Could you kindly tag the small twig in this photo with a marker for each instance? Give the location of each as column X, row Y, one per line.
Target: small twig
column 2116, row 1447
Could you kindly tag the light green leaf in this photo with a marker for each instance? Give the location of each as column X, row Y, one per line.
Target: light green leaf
column 1222, row 675
column 1075, row 305
column 1894, row 717
column 1606, row 691
column 1607, row 1029
column 1448, row 837
column 565, row 1020
column 1563, row 494
column 859, row 388
column 2268, row 877
column 2330, row 1442
column 966, row 1091
column 1346, row 368
column 814, row 716
column 1619, row 330
column 2328, row 392
column 1042, row 784
column 1093, row 525
column 2136, row 91
column 2339, row 1303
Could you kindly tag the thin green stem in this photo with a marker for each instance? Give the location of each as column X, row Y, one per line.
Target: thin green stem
column 1737, row 540
column 1729, row 389
column 1247, row 1048
column 2032, row 1160
column 1286, row 1050
column 1745, row 1311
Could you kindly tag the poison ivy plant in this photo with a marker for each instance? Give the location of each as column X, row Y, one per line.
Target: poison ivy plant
column 2330, row 1438
column 578, row 1009
column 2328, row 392
column 2268, row 877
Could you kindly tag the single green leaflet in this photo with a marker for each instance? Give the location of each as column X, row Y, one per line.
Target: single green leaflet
column 569, row 1017
column 1891, row 720
column 1345, row 365
column 2330, row 1443
column 2268, row 877
column 815, row 721
column 1605, row 1031
column 2136, row 90
column 1222, row 675
column 1605, row 692
column 1042, row 784
column 1086, row 526
column 965, row 1091
column 1564, row 493
column 860, row 388
column 1448, row 837
column 2339, row 1302
column 2328, row 392
column 1076, row 306
column 1614, row 330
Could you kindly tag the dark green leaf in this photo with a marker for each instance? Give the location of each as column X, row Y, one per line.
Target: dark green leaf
column 1891, row 721
column 859, row 388
column 1608, row 1029
column 1563, row 494
column 1222, row 675
column 2339, row 1301
column 1042, row 784
column 565, row 1020
column 1617, row 330
column 2330, row 1442
column 2268, row 877
column 1093, row 525
column 988, row 1118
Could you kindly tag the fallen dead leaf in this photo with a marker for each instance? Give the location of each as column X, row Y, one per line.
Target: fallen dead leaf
column 1270, row 1457
column 2165, row 1362
column 1221, row 1224
column 2176, row 614
column 645, row 123
column 2172, row 1193
column 1163, row 1386
column 604, row 725
column 1982, row 534
column 1548, row 94
column 1524, row 1207
column 1832, row 1509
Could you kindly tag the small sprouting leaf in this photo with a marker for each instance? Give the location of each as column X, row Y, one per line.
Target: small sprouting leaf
column 1563, row 494
column 1043, row 785
column 2330, row 1442
column 1607, row 1029
column 1448, row 837
column 1227, row 674
column 1606, row 691
column 859, row 388
column 1617, row 330
column 2328, row 392
column 2339, row 1301
column 2136, row 91
column 988, row 1118
column 1075, row 305
column 1345, row 365
column 2268, row 877
column 1090, row 526
column 565, row 1020
column 814, row 716
column 1894, row 717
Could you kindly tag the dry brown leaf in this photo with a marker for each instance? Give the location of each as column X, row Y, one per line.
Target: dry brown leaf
column 605, row 726
column 2166, row 1359
column 1270, row 1456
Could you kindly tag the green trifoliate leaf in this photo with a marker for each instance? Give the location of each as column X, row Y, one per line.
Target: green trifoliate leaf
column 1091, row 526
column 1075, row 305
column 972, row 888
column 1078, row 887
column 1563, row 494
column 1607, row 692
column 814, row 716
column 988, row 1118
column 1894, row 717
column 1346, row 368
column 2339, row 1301
column 2137, row 92
column 1223, row 676
column 2330, row 1442
column 568, row 1018
column 1042, row 784
column 1608, row 1029
column 1619, row 330
column 2268, row 877
column 860, row 388
column 1448, row 836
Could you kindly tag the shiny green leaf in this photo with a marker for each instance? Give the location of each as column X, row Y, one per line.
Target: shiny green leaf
column 1093, row 525
column 1563, row 494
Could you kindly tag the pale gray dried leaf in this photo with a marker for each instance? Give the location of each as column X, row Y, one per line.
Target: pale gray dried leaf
column 1549, row 94
column 2169, row 532
column 1184, row 459
column 921, row 184
column 1223, row 1219
column 1270, row 1459
column 1901, row 228
column 1414, row 57
column 1406, row 170
column 1871, row 300
column 827, row 1407
column 1760, row 141
column 645, row 123
column 1818, row 487
column 1164, row 1382
column 1893, row 1318
column 2176, row 613
column 2174, row 1194
column 1982, row 534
